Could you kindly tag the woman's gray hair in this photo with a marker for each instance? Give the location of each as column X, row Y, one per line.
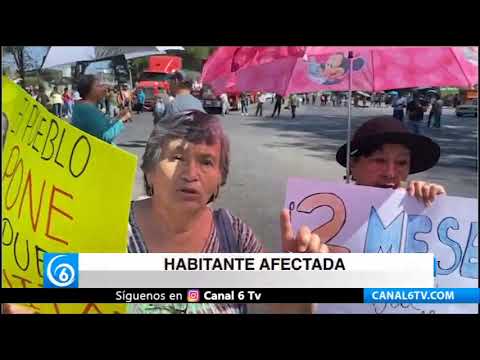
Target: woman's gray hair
column 193, row 126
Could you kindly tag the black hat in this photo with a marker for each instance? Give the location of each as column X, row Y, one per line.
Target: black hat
column 180, row 77
column 387, row 130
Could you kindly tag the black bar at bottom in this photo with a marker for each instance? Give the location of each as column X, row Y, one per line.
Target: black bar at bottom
column 181, row 295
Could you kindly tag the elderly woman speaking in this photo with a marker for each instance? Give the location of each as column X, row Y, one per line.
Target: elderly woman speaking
column 186, row 161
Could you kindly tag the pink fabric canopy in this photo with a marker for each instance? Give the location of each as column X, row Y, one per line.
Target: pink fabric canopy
column 286, row 70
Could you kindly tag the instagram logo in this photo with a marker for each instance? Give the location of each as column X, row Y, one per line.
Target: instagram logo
column 193, row 295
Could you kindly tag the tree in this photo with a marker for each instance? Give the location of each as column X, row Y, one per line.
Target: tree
column 194, row 55
column 20, row 57
column 137, row 66
column 24, row 59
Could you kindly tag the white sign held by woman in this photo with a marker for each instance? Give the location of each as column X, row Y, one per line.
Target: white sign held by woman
column 354, row 218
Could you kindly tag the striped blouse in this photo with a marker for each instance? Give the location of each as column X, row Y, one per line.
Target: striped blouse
column 247, row 242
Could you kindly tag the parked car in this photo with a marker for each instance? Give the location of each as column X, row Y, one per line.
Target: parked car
column 211, row 102
column 469, row 108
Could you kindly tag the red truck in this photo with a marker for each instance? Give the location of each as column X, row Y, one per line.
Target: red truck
column 156, row 76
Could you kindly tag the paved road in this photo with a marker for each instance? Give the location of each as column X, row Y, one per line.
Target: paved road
column 266, row 151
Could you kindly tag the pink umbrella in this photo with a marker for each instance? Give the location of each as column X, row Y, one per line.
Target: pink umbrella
column 286, row 70
column 228, row 59
column 226, row 83
column 381, row 68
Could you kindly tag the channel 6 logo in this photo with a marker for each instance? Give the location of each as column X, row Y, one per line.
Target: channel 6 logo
column 60, row 270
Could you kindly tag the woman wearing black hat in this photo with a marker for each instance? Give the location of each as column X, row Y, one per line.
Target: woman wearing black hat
column 383, row 153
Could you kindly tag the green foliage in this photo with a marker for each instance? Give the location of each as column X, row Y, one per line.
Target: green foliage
column 193, row 56
column 137, row 66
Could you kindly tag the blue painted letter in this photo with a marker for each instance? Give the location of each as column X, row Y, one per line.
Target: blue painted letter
column 469, row 267
column 381, row 238
column 417, row 224
column 442, row 231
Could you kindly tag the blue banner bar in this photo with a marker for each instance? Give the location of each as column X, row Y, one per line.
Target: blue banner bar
column 426, row 295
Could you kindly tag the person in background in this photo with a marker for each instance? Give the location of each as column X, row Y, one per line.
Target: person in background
column 278, row 105
column 398, row 104
column 42, row 97
column 106, row 100
column 76, row 96
column 158, row 108
column 112, row 97
column 120, row 99
column 260, row 102
column 125, row 97
column 140, row 101
column 437, row 107
column 244, row 104
column 356, row 99
column 181, row 86
column 160, row 103
column 225, row 104
column 294, row 102
column 57, row 101
column 383, row 100
column 430, row 102
column 87, row 117
column 416, row 109
column 67, row 103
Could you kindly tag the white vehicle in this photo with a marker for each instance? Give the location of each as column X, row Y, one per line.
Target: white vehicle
column 269, row 96
column 469, row 108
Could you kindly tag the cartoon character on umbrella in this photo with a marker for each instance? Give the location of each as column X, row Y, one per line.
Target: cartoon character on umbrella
column 333, row 70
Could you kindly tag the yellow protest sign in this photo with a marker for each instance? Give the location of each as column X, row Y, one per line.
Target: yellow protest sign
column 63, row 190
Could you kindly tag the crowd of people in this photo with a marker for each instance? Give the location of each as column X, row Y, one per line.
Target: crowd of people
column 294, row 101
column 412, row 106
column 415, row 106
column 59, row 103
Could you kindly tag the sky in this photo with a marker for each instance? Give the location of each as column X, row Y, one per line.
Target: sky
column 37, row 53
